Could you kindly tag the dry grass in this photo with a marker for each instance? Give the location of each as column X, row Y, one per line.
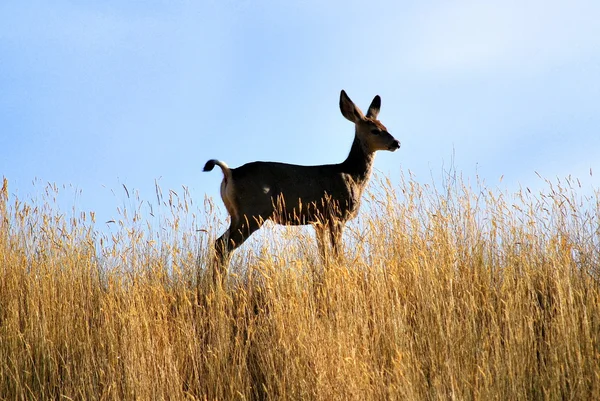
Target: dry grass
column 449, row 293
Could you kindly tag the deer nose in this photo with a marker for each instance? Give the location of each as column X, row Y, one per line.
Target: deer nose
column 394, row 145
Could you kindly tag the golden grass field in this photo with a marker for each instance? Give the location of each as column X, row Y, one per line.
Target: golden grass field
column 458, row 292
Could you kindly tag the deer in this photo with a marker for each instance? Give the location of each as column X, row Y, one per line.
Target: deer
column 325, row 196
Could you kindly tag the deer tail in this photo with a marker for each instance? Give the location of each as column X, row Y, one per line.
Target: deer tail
column 226, row 170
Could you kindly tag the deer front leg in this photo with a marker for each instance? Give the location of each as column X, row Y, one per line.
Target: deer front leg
column 335, row 236
column 335, row 239
column 321, row 244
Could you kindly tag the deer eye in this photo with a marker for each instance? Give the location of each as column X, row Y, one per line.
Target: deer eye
column 375, row 132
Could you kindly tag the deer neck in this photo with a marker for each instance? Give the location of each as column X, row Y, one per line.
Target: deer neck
column 359, row 162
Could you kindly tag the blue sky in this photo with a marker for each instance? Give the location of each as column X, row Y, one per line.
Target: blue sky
column 96, row 94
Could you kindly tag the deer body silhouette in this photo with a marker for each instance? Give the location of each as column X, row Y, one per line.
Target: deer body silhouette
column 326, row 196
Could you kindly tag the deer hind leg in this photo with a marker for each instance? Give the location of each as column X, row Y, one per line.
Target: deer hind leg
column 236, row 234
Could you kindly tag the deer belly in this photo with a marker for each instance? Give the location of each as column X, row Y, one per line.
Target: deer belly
column 308, row 212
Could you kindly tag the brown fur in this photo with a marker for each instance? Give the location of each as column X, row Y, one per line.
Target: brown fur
column 325, row 196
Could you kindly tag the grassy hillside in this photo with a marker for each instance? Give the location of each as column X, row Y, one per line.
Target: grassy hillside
column 450, row 293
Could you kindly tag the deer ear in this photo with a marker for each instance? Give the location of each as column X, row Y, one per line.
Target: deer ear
column 374, row 107
column 349, row 109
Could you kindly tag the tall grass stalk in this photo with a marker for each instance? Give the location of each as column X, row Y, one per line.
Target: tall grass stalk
column 452, row 293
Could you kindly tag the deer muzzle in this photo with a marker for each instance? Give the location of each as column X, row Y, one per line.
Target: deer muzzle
column 394, row 145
